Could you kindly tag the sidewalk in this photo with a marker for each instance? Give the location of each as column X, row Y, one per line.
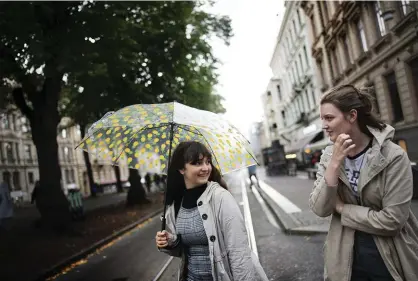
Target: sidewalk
column 27, row 251
column 90, row 203
column 289, row 199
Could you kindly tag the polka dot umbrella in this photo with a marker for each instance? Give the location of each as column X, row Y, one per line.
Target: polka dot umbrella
column 144, row 136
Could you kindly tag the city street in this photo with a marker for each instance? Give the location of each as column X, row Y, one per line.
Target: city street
column 134, row 256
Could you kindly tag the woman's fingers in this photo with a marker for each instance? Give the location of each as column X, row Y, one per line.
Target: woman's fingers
column 161, row 239
column 348, row 149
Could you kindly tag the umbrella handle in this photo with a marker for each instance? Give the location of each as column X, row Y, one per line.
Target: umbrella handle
column 163, row 221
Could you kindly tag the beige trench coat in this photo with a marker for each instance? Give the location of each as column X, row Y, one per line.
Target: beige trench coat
column 230, row 255
column 385, row 187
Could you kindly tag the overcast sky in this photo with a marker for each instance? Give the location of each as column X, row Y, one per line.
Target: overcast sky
column 245, row 72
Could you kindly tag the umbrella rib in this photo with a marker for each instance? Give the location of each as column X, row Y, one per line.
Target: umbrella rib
column 132, row 138
column 185, row 127
column 246, row 148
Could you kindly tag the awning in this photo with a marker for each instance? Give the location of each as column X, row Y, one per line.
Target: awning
column 300, row 144
column 319, row 145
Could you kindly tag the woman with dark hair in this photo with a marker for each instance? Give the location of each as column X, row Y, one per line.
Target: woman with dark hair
column 364, row 181
column 204, row 223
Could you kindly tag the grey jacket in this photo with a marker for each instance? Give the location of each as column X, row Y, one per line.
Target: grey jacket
column 230, row 254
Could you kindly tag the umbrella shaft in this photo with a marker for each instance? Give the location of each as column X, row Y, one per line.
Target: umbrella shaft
column 168, row 166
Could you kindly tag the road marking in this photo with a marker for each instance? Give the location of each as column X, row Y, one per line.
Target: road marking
column 266, row 210
column 161, row 272
column 285, row 204
column 248, row 220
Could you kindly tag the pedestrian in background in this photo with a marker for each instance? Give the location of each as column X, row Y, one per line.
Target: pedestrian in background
column 6, row 206
column 252, row 171
column 204, row 223
column 364, row 181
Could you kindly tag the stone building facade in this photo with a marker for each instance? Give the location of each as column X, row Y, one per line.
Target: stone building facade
column 19, row 163
column 372, row 44
column 292, row 95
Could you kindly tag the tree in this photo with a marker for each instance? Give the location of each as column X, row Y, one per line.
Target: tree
column 103, row 55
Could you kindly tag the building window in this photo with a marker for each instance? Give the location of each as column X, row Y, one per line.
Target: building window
column 17, row 151
column 5, row 124
column 347, row 49
column 362, row 36
column 9, row 151
column 331, row 65
column 67, row 176
column 406, row 7
column 313, row 95
column 380, row 21
column 14, row 122
column 301, row 64
column 335, row 61
column 268, row 93
column 279, row 92
column 284, row 117
column 67, row 154
column 64, row 133
column 306, row 56
column 414, row 72
column 297, row 71
column 16, row 181
column 1, row 151
column 299, row 19
column 326, row 13
column 31, row 178
column 294, row 28
column 7, row 178
column 313, row 26
column 321, row 71
column 28, row 152
column 394, row 97
column 300, row 104
column 306, row 101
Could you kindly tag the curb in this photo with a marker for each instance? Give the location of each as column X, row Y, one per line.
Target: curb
column 287, row 223
column 55, row 269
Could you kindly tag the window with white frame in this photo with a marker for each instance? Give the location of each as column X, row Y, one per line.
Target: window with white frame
column 362, row 36
column 379, row 19
column 406, row 7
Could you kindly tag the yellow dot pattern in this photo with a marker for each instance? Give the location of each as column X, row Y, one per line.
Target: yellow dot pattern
column 139, row 135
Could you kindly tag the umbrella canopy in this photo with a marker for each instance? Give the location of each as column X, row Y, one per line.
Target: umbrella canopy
column 144, row 136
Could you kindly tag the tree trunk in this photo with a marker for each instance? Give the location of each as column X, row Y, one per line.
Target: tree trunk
column 119, row 186
column 92, row 184
column 136, row 194
column 44, row 119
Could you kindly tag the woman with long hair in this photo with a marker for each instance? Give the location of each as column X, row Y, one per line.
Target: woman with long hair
column 204, row 223
column 364, row 181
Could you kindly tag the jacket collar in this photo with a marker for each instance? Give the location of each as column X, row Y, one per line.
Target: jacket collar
column 207, row 195
column 375, row 161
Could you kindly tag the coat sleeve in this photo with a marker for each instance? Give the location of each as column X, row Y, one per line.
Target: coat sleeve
column 174, row 250
column 236, row 239
column 323, row 197
column 175, row 247
column 396, row 202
